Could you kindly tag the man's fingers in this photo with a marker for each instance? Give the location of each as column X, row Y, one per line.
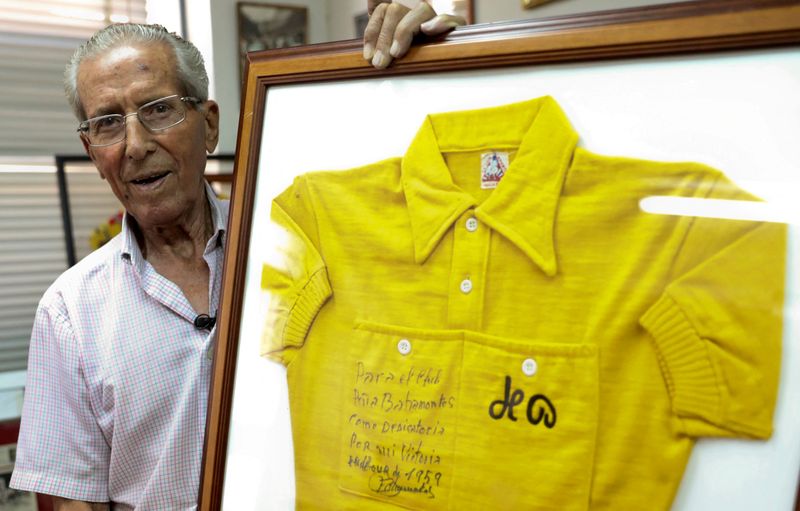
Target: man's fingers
column 394, row 13
column 441, row 24
column 392, row 27
column 373, row 30
column 408, row 27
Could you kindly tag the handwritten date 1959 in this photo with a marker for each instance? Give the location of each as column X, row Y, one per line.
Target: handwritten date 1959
column 539, row 406
column 414, row 481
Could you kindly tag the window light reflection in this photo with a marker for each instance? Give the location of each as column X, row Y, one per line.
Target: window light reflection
column 81, row 14
column 774, row 211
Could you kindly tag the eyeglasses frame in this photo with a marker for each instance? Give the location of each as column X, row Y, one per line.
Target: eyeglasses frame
column 83, row 127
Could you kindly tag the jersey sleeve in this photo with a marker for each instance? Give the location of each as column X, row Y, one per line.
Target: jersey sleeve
column 61, row 449
column 717, row 327
column 295, row 278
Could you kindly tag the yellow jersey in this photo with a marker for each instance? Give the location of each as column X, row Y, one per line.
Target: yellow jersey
column 492, row 322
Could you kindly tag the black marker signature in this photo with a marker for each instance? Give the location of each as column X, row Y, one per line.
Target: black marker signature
column 389, row 487
column 539, row 403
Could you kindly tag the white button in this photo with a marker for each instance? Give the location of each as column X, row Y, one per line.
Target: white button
column 404, row 347
column 529, row 367
column 466, row 286
column 472, row 224
column 210, row 352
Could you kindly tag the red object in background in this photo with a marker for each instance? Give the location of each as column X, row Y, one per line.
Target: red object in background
column 9, row 431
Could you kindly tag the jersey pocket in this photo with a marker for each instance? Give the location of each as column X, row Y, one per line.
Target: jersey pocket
column 527, row 425
column 399, row 416
column 456, row 420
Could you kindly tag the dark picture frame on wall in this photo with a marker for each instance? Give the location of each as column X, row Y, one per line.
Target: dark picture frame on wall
column 360, row 21
column 77, row 179
column 269, row 26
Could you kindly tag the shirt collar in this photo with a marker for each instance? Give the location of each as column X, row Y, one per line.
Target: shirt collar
column 132, row 252
column 523, row 206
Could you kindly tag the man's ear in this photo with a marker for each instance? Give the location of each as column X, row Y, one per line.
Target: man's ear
column 90, row 153
column 211, row 111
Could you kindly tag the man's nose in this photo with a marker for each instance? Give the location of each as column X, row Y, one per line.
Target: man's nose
column 138, row 140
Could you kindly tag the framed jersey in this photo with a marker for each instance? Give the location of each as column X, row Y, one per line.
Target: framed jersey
column 546, row 264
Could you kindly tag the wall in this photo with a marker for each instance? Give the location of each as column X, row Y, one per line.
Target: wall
column 329, row 20
column 224, row 30
column 341, row 20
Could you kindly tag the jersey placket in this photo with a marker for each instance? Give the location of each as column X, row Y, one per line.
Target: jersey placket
column 468, row 272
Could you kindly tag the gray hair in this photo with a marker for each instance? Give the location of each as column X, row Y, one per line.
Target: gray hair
column 191, row 68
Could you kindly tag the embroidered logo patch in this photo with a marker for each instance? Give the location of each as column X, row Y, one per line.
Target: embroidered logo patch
column 493, row 168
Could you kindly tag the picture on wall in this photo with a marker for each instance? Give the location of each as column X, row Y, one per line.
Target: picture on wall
column 270, row 26
column 361, row 21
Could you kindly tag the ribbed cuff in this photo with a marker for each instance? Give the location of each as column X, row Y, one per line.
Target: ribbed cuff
column 309, row 301
column 684, row 359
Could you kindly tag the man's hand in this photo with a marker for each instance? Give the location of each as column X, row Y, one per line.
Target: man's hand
column 393, row 24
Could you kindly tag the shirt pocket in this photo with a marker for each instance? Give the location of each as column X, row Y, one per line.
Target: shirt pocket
column 443, row 419
column 527, row 425
column 399, row 416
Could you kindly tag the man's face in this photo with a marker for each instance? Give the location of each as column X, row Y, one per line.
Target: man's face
column 157, row 176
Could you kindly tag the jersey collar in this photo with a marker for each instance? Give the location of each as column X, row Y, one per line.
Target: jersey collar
column 523, row 207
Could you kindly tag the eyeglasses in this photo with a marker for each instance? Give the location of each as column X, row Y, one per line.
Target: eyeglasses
column 155, row 116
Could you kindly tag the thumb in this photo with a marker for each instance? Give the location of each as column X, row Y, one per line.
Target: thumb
column 441, row 24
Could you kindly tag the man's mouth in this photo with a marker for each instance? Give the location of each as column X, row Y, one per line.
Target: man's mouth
column 149, row 179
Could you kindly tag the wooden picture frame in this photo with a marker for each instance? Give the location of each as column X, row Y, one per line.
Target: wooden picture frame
column 597, row 48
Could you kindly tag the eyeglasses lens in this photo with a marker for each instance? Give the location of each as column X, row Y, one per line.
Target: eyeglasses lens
column 157, row 115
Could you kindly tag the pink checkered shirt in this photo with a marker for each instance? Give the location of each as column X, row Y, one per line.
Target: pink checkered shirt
column 118, row 377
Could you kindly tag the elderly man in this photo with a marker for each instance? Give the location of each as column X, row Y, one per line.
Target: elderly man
column 119, row 363
column 120, row 354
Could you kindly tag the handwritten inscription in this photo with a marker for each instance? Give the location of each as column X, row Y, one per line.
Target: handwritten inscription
column 389, row 402
column 420, row 376
column 539, row 409
column 415, row 452
column 398, row 427
column 411, row 481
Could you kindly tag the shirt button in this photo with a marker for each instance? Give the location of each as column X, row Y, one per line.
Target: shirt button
column 466, row 286
column 472, row 224
column 404, row 347
column 529, row 367
column 210, row 352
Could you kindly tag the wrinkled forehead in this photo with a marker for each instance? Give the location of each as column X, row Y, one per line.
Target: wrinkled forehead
column 130, row 61
column 126, row 75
